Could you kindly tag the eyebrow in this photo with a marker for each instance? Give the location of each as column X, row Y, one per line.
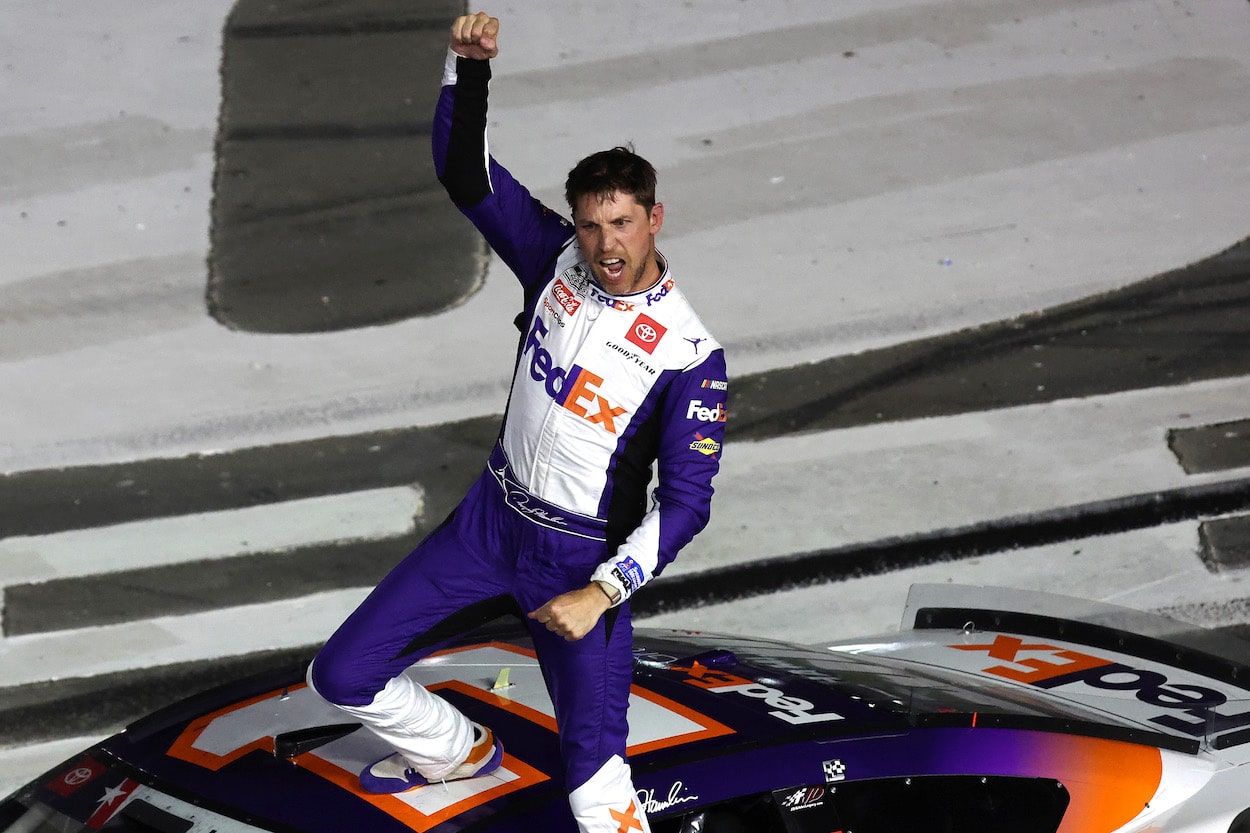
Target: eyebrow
column 617, row 218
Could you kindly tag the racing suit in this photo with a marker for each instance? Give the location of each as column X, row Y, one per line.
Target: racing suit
column 604, row 386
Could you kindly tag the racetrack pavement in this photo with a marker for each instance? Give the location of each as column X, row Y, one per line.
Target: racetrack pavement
column 865, row 203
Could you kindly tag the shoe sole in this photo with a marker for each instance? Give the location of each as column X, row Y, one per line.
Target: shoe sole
column 493, row 763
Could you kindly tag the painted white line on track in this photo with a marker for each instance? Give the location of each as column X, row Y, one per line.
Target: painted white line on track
column 363, row 515
column 245, row 629
column 839, row 488
column 1118, row 568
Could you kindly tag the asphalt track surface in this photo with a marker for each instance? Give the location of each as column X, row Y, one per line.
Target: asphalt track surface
column 281, row 260
column 1179, row 327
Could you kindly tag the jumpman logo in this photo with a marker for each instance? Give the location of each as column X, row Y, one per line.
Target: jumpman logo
column 696, row 342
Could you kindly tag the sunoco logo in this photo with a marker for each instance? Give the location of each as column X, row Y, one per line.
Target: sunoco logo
column 705, row 446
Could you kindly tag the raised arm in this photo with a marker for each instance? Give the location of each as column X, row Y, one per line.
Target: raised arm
column 525, row 233
column 475, row 36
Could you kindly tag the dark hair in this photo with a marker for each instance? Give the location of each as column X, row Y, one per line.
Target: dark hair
column 607, row 172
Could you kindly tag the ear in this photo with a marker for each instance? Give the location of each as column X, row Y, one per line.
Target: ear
column 657, row 217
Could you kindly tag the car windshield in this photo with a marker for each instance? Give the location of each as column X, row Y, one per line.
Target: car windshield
column 88, row 796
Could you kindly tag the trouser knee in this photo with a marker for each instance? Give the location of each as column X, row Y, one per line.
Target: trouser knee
column 337, row 682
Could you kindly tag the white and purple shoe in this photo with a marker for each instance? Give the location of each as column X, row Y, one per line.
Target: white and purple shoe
column 393, row 774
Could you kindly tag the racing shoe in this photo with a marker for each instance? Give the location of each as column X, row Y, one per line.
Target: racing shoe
column 393, row 774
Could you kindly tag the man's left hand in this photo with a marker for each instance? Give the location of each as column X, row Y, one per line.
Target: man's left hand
column 572, row 615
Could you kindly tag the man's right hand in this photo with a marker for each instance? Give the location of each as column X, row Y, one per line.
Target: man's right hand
column 474, row 36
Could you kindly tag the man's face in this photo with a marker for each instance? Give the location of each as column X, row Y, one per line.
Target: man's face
column 617, row 238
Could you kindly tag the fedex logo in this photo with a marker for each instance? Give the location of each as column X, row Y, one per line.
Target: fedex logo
column 1190, row 708
column 695, row 410
column 658, row 295
column 574, row 389
column 610, row 302
column 793, row 710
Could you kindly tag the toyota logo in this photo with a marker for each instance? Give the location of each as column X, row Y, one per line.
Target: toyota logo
column 81, row 775
column 645, row 332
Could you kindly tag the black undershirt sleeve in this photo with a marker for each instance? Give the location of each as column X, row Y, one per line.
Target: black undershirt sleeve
column 465, row 175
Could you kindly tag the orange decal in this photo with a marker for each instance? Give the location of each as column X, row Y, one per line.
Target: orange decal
column 184, row 748
column 708, row 728
column 1112, row 783
column 484, row 790
column 1005, row 648
column 498, row 701
column 214, row 740
column 628, row 820
column 704, row 677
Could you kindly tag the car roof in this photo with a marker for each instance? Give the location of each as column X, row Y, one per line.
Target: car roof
column 269, row 748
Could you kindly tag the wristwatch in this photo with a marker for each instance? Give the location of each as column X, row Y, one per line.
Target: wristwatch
column 610, row 590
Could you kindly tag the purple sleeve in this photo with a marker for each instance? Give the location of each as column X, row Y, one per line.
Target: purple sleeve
column 692, row 428
column 525, row 233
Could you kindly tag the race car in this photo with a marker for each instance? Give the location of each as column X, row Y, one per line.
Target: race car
column 990, row 710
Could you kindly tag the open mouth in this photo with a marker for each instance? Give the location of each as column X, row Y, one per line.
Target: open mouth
column 614, row 266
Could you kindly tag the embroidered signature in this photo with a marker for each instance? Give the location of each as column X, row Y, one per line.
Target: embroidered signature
column 649, row 803
column 519, row 499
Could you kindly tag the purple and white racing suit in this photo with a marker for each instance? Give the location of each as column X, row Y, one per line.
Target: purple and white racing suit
column 604, row 386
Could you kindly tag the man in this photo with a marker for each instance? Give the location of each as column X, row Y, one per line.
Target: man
column 614, row 372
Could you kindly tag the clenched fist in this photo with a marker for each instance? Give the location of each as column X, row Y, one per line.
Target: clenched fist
column 475, row 36
column 574, row 614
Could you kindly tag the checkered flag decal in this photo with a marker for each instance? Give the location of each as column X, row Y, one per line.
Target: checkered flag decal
column 835, row 770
